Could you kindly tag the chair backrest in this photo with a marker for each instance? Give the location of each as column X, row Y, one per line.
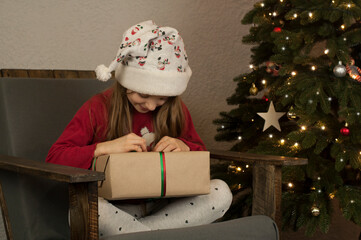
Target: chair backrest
column 33, row 114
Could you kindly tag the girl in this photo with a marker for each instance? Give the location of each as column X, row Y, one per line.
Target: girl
column 141, row 112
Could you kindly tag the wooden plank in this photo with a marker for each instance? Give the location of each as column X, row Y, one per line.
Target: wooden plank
column 83, row 210
column 87, row 74
column 68, row 74
column 5, row 214
column 267, row 191
column 15, row 73
column 255, row 158
column 41, row 73
column 47, row 170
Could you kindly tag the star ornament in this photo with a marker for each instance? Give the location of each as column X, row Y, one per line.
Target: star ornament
column 271, row 118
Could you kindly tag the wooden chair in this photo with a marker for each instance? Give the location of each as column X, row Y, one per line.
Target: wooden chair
column 23, row 148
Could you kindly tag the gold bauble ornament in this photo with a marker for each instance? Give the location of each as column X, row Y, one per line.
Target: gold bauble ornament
column 253, row 90
column 291, row 115
column 315, row 210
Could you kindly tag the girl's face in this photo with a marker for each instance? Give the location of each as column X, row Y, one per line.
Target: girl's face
column 144, row 103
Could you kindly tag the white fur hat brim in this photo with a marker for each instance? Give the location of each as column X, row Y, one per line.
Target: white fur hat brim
column 153, row 82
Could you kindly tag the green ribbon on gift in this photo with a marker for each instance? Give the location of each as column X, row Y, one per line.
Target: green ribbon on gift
column 163, row 175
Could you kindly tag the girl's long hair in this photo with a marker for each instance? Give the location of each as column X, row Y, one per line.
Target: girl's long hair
column 168, row 119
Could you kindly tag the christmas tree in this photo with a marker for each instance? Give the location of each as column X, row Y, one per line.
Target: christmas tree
column 302, row 98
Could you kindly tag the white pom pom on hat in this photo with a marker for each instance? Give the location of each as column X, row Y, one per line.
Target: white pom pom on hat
column 150, row 60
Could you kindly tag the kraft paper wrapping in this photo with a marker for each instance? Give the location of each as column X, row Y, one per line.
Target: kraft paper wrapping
column 139, row 175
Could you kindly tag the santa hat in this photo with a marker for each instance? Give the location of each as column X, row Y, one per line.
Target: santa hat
column 150, row 60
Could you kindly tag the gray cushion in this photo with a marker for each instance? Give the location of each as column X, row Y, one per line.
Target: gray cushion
column 247, row 228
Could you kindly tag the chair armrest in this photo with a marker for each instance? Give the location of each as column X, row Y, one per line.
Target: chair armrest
column 51, row 171
column 267, row 179
column 257, row 158
column 82, row 188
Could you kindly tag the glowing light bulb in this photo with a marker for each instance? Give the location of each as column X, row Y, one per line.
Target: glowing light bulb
column 343, row 26
column 310, row 14
column 349, row 5
column 323, row 127
column 326, row 51
column 296, row 144
column 239, row 137
column 290, row 185
column 264, row 81
column 274, row 14
column 262, row 4
column 251, row 66
column 295, row 15
column 293, row 73
column 270, row 136
column 282, row 141
column 303, row 128
column 313, row 68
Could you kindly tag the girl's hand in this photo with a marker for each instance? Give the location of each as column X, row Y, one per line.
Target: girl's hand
column 127, row 143
column 169, row 144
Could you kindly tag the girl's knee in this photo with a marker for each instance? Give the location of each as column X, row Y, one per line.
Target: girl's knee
column 221, row 193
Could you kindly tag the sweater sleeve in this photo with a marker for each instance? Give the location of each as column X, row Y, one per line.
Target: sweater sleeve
column 75, row 147
column 189, row 136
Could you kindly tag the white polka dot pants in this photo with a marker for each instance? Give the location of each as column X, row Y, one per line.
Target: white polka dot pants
column 165, row 213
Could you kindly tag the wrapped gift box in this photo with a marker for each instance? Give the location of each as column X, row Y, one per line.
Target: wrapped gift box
column 137, row 175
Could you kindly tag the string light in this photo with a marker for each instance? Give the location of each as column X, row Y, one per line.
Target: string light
column 251, row 66
column 287, row 38
column 295, row 15
column 341, row 159
column 313, row 68
column 270, row 136
column 296, row 144
column 303, row 128
column 318, row 178
column 352, row 201
column 293, row 73
column 290, row 185
column 332, row 196
column 282, row 141
column 317, row 93
column 323, row 127
column 283, row 48
column 262, row 4
column 310, row 14
column 343, row 26
column 286, row 96
column 319, row 191
column 264, row 81
column 349, row 5
column 247, row 166
column 326, row 51
column 240, row 138
column 274, row 14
